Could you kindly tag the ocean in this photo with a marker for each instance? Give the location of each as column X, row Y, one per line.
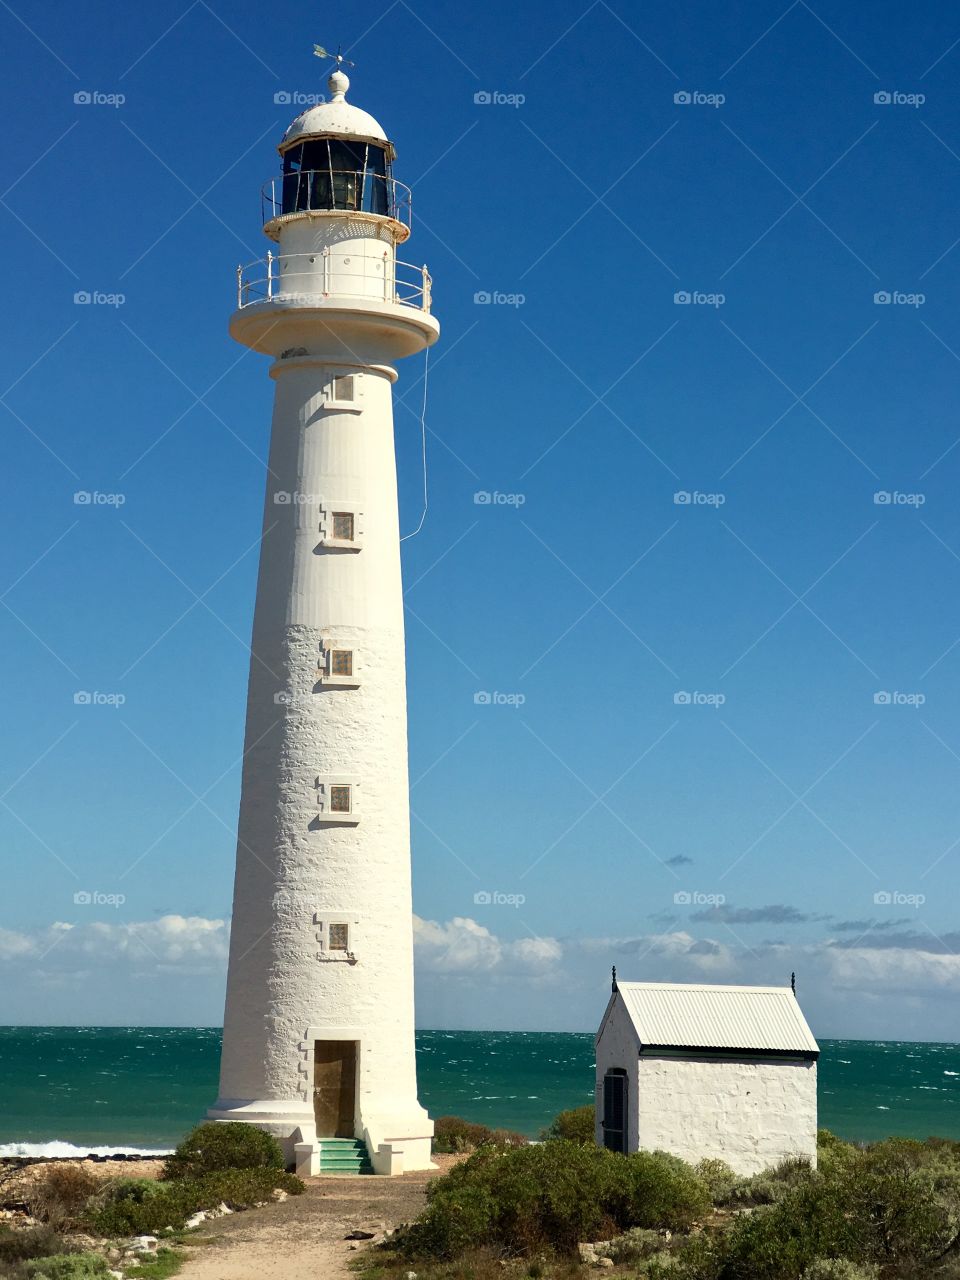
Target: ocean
column 141, row 1088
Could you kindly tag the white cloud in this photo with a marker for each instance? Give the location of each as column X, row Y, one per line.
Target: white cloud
column 464, row 946
column 173, row 940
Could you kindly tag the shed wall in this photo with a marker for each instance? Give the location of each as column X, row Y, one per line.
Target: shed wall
column 749, row 1113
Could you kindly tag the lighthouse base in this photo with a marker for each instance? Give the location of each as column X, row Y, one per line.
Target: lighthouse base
column 395, row 1144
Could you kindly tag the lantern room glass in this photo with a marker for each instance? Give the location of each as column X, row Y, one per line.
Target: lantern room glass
column 333, row 174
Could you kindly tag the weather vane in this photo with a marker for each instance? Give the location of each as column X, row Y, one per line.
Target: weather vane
column 320, row 52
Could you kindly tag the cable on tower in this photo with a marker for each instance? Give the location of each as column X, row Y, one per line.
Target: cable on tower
column 423, row 442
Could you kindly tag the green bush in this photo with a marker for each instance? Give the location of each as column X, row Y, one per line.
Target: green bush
column 158, row 1266
column 576, row 1125
column 137, row 1206
column 223, row 1145
column 718, row 1178
column 453, row 1135
column 552, row 1196
column 839, row 1269
column 243, row 1188
column 68, row 1266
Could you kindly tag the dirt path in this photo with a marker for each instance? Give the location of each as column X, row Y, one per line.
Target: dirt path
column 305, row 1234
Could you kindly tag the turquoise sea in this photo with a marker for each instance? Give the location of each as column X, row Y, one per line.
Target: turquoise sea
column 141, row 1088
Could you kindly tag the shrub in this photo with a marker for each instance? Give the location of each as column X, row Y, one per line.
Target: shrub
column 35, row 1242
column 137, row 1206
column 453, row 1135
column 142, row 1211
column 223, row 1145
column 59, row 1195
column 718, row 1178
column 159, row 1266
column 68, row 1266
column 839, row 1269
column 243, row 1188
column 553, row 1195
column 904, row 1199
column 770, row 1185
column 576, row 1125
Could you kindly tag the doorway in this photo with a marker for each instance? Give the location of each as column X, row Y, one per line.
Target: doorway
column 615, row 1110
column 334, row 1087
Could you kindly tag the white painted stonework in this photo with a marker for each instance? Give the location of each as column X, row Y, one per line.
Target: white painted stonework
column 300, row 867
column 702, row 1101
column 749, row 1113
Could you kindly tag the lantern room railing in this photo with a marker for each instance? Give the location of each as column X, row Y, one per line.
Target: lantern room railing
column 303, row 278
column 335, row 191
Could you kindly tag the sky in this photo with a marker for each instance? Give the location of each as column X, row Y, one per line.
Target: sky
column 683, row 629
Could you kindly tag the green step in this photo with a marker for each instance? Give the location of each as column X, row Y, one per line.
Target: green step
column 344, row 1156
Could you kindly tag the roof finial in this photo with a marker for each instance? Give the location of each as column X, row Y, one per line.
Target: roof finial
column 338, row 83
column 793, row 983
column 613, row 983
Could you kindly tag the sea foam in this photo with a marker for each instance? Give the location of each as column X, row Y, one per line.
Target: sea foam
column 67, row 1151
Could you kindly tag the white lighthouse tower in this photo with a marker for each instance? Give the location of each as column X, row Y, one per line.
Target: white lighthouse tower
column 318, row 1041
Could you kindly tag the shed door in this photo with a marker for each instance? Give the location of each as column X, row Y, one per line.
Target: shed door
column 615, row 1110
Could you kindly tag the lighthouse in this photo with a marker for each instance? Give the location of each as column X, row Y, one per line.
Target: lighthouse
column 318, row 1039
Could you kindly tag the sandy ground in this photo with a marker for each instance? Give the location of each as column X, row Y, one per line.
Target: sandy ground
column 305, row 1234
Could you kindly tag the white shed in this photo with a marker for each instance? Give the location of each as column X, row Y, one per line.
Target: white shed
column 703, row 1071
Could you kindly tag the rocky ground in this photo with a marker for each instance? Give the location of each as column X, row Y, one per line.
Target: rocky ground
column 310, row 1232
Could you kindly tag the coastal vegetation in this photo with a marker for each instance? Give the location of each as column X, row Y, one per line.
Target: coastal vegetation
column 886, row 1211
column 455, row 1136
column 217, row 1168
column 576, row 1125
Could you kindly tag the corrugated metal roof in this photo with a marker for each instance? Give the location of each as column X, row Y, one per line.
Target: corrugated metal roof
column 681, row 1016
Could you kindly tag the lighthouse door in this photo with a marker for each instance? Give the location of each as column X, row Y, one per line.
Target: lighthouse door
column 334, row 1087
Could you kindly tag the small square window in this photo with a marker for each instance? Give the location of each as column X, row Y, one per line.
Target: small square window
column 343, row 526
column 341, row 662
column 338, row 937
column 343, row 389
column 340, row 799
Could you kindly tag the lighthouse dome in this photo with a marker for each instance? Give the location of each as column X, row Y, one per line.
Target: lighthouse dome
column 335, row 118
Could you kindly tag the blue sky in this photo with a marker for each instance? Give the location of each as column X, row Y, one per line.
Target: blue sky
column 781, row 797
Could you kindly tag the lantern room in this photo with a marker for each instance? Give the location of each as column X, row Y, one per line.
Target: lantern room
column 336, row 159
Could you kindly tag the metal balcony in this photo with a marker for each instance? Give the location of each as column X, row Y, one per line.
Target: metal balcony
column 300, row 279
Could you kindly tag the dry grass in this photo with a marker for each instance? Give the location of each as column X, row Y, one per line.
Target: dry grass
column 59, row 1195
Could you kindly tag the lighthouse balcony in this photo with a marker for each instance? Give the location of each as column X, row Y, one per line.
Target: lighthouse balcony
column 306, row 279
column 362, row 193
